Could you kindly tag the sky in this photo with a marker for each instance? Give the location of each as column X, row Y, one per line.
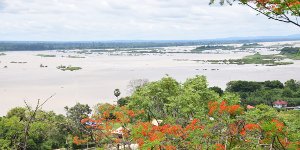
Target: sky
column 98, row 20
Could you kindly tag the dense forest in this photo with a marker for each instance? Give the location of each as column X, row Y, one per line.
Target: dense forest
column 166, row 114
column 291, row 52
column 48, row 45
column 254, row 93
column 209, row 47
column 36, row 46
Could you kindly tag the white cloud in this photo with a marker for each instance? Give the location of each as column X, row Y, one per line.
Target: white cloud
column 130, row 20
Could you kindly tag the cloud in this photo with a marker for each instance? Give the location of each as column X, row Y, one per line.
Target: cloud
column 131, row 20
column 1, row 6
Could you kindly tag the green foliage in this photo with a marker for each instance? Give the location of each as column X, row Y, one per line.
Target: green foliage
column 264, row 59
column 266, row 96
column 209, row 47
column 46, row 131
column 95, row 46
column 275, row 84
column 18, row 112
column 168, row 97
column 78, row 112
column 291, row 52
column 250, row 45
column 45, row 55
column 254, row 93
column 68, row 68
column 195, row 96
column 291, row 119
column 11, row 130
column 153, row 96
column 292, row 84
column 117, row 93
column 193, row 115
column 70, row 56
column 123, row 101
column 73, row 121
column 268, row 60
column 260, row 113
column 286, row 11
column 230, row 98
column 217, row 90
column 243, row 86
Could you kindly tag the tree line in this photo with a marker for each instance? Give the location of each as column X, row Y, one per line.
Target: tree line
column 164, row 114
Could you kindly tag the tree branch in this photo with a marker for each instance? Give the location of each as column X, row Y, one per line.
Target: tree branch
column 287, row 20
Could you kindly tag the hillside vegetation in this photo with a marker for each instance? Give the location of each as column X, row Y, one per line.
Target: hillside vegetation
column 166, row 114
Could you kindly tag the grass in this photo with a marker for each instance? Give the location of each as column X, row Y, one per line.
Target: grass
column 250, row 45
column 293, row 56
column 45, row 55
column 203, row 48
column 20, row 62
column 68, row 68
column 70, row 56
column 269, row 60
column 291, row 52
column 261, row 59
column 283, row 63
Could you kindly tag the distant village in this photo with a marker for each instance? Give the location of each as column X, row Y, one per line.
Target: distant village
column 281, row 104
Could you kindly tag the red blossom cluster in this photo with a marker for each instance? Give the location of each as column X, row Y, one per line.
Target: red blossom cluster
column 110, row 115
column 169, row 147
column 249, row 127
column 286, row 2
column 294, row 3
column 222, row 108
column 278, row 6
column 279, row 125
column 78, row 141
column 166, row 136
column 148, row 132
column 103, row 124
column 220, row 146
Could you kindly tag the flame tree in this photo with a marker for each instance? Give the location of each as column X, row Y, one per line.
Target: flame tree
column 287, row 11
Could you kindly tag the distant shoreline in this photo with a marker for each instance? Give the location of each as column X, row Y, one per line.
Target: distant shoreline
column 83, row 45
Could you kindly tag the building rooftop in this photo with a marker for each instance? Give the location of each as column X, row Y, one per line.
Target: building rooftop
column 280, row 102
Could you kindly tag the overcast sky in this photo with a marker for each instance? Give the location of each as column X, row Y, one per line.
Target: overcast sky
column 77, row 20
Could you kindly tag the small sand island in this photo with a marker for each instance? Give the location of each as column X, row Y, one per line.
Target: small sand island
column 68, row 68
column 45, row 55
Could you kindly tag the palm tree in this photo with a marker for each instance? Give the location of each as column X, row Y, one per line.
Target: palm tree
column 117, row 93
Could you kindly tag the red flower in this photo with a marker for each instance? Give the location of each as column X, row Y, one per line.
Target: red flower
column 83, row 121
column 130, row 113
column 251, row 126
column 222, row 107
column 77, row 141
column 233, row 109
column 279, row 125
column 169, row 147
column 140, row 141
column 233, row 129
column 243, row 132
column 220, row 147
column 212, row 106
column 154, row 136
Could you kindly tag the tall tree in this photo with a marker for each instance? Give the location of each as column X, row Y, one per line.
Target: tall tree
column 117, row 93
